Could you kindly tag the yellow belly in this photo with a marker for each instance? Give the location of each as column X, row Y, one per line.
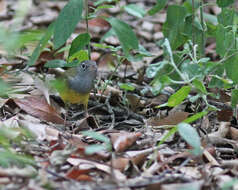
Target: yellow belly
column 71, row 96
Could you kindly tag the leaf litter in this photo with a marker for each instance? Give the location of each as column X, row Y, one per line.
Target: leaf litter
column 134, row 126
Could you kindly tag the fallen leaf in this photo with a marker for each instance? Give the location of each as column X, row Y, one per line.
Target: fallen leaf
column 102, row 167
column 78, row 174
column 172, row 119
column 123, row 140
column 38, row 107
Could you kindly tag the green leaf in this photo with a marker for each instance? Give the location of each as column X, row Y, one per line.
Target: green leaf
column 95, row 148
column 155, row 69
column 159, row 83
column 66, row 22
column 4, row 88
column 192, row 69
column 97, row 136
column 229, row 184
column 224, row 41
column 135, row 10
column 234, row 98
column 127, row 86
column 173, row 28
column 179, row 96
column 231, row 68
column 125, row 35
column 190, row 135
column 195, row 117
column 200, row 86
column 41, row 45
column 8, row 158
column 224, row 3
column 159, row 5
column 81, row 55
column 103, row 1
column 55, row 63
column 226, row 17
column 79, row 43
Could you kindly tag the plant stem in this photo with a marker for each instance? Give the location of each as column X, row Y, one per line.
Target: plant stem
column 193, row 36
column 203, row 29
column 86, row 19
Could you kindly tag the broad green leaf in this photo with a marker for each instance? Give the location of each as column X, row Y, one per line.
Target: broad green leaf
column 195, row 32
column 55, row 63
column 195, row 117
column 173, row 28
column 81, row 55
column 79, row 43
column 178, row 97
column 159, row 83
column 226, row 17
column 8, row 158
column 125, row 35
column 200, row 86
column 155, row 69
column 230, row 184
column 127, row 86
column 190, row 135
column 159, row 5
column 4, row 88
column 224, row 3
column 95, row 148
column 210, row 18
column 234, row 98
column 97, row 136
column 167, row 48
column 41, row 45
column 192, row 69
column 66, row 22
column 103, row 1
column 135, row 10
column 225, row 41
column 231, row 68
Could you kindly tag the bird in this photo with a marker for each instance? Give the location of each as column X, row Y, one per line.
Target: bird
column 75, row 84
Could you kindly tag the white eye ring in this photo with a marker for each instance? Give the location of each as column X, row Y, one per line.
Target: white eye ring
column 83, row 66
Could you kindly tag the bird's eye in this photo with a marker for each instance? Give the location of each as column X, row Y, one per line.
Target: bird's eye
column 83, row 65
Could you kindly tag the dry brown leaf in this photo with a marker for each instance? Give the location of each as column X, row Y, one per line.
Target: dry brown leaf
column 78, row 174
column 123, row 140
column 98, row 22
column 103, row 167
column 234, row 133
column 225, row 115
column 172, row 119
column 38, row 107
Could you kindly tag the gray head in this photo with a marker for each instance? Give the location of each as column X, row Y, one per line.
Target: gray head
column 82, row 77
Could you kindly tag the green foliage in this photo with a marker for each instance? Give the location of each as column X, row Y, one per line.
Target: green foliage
column 159, row 5
column 190, row 135
column 91, row 149
column 67, row 21
column 224, row 3
column 125, row 35
column 234, row 98
column 178, row 97
column 127, row 86
column 173, row 28
column 8, row 158
column 81, row 41
column 135, row 10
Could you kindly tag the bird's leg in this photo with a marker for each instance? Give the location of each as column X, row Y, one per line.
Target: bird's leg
column 86, row 110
